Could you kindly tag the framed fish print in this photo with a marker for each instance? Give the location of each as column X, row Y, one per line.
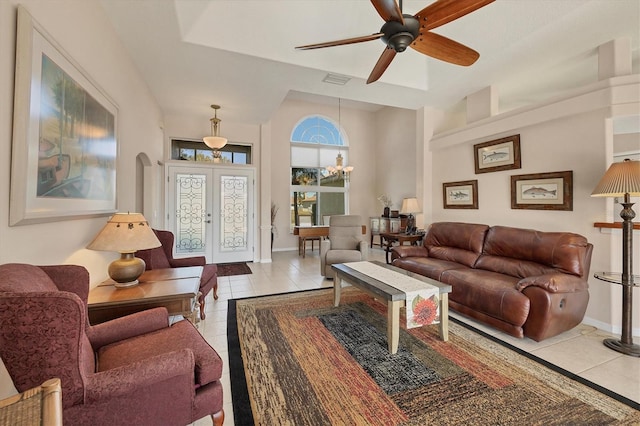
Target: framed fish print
column 496, row 155
column 460, row 195
column 542, row 191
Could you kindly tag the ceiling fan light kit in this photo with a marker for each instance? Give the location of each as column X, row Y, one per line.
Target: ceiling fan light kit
column 215, row 141
column 401, row 31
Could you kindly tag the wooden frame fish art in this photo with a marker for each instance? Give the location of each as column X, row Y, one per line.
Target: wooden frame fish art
column 542, row 191
column 496, row 155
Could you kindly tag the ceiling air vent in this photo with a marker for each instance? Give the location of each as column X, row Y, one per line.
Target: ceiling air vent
column 336, row 79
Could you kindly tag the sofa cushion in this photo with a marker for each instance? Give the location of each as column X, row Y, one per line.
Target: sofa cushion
column 181, row 335
column 345, row 243
column 427, row 266
column 455, row 242
column 20, row 277
column 526, row 252
column 342, row 256
column 490, row 293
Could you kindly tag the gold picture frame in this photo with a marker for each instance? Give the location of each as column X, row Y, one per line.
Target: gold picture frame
column 460, row 195
column 497, row 155
column 543, row 191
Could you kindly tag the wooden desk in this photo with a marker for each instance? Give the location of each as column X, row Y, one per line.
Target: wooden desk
column 38, row 406
column 305, row 233
column 389, row 238
column 312, row 233
column 176, row 289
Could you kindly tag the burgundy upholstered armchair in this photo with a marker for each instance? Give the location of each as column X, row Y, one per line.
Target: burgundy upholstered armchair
column 132, row 370
column 162, row 257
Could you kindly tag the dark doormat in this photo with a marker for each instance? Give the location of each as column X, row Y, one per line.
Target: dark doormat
column 237, row 268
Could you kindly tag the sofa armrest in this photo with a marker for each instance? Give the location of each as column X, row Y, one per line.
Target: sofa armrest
column 409, row 251
column 364, row 249
column 325, row 246
column 131, row 378
column 554, row 283
column 188, row 261
column 128, row 326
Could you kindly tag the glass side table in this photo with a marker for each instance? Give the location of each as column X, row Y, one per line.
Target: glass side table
column 616, row 278
column 625, row 345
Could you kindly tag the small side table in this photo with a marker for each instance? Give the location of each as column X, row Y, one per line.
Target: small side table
column 388, row 238
column 625, row 345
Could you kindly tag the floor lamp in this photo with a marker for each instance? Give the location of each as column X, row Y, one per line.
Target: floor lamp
column 623, row 180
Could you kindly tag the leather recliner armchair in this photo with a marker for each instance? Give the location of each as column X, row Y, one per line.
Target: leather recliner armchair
column 132, row 370
column 162, row 257
column 344, row 244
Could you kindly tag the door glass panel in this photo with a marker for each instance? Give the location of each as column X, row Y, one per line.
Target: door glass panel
column 191, row 190
column 234, row 221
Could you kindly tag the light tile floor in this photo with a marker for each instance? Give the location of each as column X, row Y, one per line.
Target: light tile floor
column 579, row 350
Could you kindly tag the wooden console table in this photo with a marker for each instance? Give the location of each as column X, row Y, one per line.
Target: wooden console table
column 389, row 238
column 176, row 289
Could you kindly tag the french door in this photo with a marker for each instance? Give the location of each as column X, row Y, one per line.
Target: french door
column 211, row 212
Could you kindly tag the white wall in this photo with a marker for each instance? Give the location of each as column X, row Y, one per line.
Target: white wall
column 83, row 30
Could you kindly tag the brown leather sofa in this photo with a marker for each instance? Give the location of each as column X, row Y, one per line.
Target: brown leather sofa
column 521, row 281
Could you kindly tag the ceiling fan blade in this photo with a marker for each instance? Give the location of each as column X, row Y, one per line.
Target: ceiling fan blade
column 388, row 10
column 341, row 42
column 443, row 11
column 445, row 49
column 382, row 64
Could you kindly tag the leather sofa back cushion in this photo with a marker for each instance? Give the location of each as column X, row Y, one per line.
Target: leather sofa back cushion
column 455, row 242
column 525, row 252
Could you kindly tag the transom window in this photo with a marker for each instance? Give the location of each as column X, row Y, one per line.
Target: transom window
column 316, row 194
column 198, row 151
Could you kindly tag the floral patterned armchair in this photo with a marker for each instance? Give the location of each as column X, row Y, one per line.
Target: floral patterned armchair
column 162, row 257
column 132, row 370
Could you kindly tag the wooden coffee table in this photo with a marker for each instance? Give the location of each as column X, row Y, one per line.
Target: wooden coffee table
column 176, row 289
column 394, row 298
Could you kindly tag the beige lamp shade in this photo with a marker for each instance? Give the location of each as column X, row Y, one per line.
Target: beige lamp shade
column 409, row 206
column 125, row 233
column 620, row 179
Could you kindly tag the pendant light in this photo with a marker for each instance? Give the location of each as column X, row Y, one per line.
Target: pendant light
column 215, row 141
column 340, row 169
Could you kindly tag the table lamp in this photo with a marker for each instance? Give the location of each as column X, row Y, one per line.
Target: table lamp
column 409, row 207
column 623, row 180
column 125, row 233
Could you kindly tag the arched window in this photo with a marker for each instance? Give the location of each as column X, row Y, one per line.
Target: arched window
column 316, row 141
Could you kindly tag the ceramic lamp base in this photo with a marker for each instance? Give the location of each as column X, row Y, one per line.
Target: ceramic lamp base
column 126, row 270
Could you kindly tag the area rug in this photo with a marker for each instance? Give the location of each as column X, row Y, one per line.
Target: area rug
column 229, row 269
column 296, row 359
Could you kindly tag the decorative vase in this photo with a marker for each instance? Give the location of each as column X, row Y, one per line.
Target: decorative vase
column 386, row 212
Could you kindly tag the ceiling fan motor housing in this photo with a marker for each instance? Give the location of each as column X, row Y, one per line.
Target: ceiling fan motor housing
column 398, row 36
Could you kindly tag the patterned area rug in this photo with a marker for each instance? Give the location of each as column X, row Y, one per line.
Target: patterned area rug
column 229, row 269
column 295, row 359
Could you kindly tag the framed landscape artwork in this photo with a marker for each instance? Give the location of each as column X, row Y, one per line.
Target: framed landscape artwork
column 460, row 195
column 500, row 154
column 64, row 150
column 542, row 191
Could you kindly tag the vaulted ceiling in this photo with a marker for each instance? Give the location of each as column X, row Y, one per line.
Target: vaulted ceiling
column 240, row 53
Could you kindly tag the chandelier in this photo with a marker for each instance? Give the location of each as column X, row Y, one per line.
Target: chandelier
column 340, row 170
column 215, row 141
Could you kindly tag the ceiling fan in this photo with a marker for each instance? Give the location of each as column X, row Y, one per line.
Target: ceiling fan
column 401, row 31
